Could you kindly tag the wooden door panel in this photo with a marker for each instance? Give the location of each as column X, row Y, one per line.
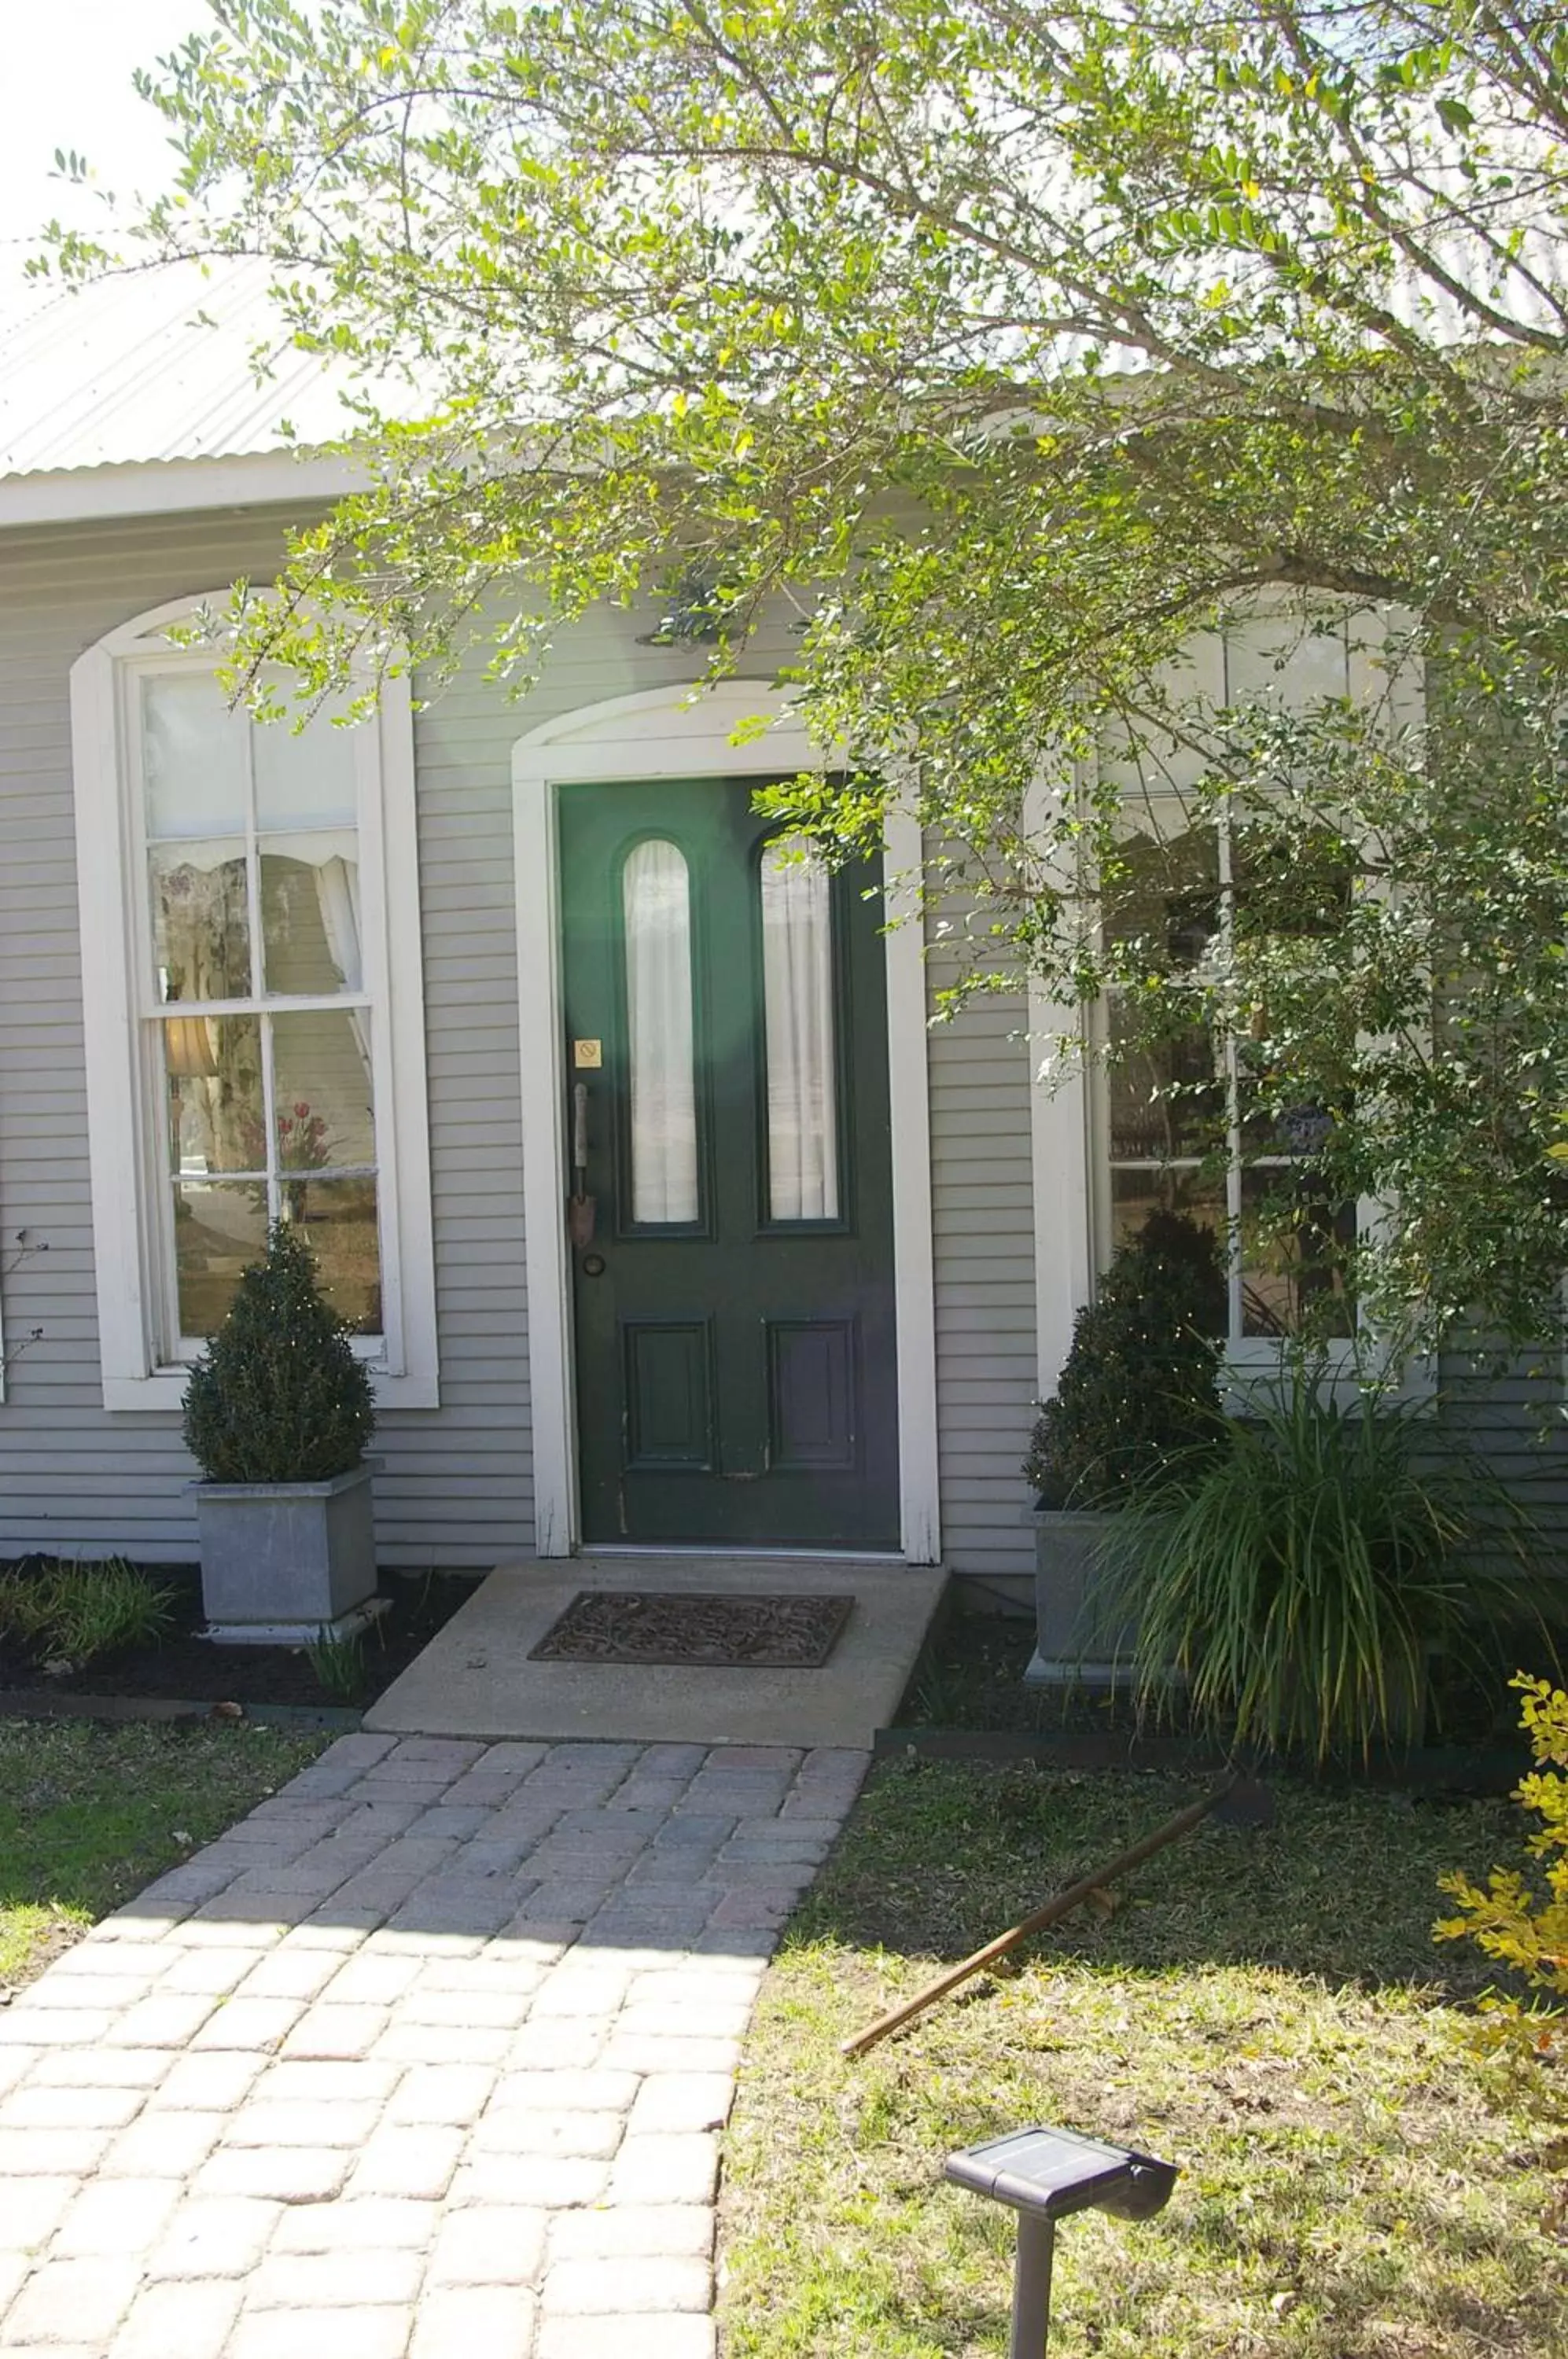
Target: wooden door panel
column 811, row 1395
column 735, row 1370
column 668, row 1394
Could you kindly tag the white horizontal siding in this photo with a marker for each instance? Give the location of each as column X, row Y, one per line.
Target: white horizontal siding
column 1509, row 1407
column 982, row 1187
column 455, row 1486
column 454, row 1489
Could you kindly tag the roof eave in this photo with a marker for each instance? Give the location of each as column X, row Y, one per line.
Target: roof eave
column 175, row 487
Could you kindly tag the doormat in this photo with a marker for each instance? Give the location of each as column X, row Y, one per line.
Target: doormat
column 696, row 1630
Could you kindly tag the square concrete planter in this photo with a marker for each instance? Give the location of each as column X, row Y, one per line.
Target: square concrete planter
column 283, row 1561
column 1078, row 1641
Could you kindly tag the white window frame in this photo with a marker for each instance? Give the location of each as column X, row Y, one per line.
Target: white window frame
column 1070, row 1126
column 142, row 1369
column 1244, row 1355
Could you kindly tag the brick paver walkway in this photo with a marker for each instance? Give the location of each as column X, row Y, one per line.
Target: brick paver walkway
column 425, row 2056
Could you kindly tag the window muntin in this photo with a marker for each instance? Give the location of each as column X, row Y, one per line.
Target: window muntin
column 655, row 907
column 799, row 1056
column 253, row 1010
column 1175, row 1127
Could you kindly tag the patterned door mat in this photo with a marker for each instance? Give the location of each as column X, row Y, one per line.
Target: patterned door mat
column 696, row 1628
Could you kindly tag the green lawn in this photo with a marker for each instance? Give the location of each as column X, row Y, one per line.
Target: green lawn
column 89, row 1814
column 1268, row 2010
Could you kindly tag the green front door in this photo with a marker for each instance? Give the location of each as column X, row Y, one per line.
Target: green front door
column 727, row 1126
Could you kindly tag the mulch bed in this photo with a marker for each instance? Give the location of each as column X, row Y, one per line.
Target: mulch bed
column 967, row 1702
column 697, row 1627
column 184, row 1666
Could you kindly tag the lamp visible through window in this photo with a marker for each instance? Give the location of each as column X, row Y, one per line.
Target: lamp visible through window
column 188, row 1051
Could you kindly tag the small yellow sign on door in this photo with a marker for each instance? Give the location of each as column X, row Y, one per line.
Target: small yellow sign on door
column 587, row 1055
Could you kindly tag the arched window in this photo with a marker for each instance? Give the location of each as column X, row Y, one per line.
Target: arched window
column 1180, row 1124
column 798, row 1012
column 247, row 1062
column 655, row 910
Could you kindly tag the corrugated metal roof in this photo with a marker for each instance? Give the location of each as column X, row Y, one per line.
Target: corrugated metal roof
column 163, row 365
column 159, row 366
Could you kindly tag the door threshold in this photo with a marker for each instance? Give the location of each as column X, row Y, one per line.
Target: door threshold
column 657, row 1549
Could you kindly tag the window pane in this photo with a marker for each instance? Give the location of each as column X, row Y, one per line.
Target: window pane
column 1135, row 1194
column 798, row 1006
column 309, row 913
column 1293, row 1249
column 1165, row 1098
column 200, row 924
column 216, row 1122
column 219, row 1227
column 193, row 757
column 1168, row 898
column 337, row 1220
column 321, row 1084
column 655, row 903
column 1299, row 1129
column 305, row 778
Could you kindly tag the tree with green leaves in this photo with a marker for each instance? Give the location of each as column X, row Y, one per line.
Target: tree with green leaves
column 1009, row 348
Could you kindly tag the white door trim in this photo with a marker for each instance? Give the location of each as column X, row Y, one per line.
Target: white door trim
column 1061, row 1153
column 687, row 732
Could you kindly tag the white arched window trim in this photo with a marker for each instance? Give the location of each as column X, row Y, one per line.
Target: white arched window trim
column 140, row 1370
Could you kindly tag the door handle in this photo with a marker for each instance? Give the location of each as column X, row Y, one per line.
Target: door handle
column 580, row 1205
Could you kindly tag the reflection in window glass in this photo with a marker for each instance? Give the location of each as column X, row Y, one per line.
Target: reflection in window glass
column 322, row 1089
column 656, row 907
column 309, row 913
column 217, row 1107
column 1165, row 1098
column 219, row 1227
column 201, row 921
column 338, row 1221
column 268, row 1106
column 1292, row 1251
column 1184, row 1125
column 798, row 1012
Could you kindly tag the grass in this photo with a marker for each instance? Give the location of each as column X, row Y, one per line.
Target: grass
column 89, row 1814
column 1266, row 2009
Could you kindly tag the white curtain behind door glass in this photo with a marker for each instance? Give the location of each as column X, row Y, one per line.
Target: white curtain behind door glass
column 798, row 1009
column 656, row 906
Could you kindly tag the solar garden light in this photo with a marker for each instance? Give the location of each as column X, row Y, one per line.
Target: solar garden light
column 1046, row 2175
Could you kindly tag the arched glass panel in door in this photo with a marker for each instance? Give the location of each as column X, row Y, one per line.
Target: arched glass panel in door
column 798, row 1024
column 656, row 903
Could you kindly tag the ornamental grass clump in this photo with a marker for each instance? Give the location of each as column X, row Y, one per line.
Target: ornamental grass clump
column 76, row 1612
column 278, row 1396
column 1301, row 1580
column 1140, row 1385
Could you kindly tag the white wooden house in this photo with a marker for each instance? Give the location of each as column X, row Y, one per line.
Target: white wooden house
column 400, row 981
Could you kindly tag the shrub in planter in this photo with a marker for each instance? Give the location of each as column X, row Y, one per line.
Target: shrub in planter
column 1140, row 1381
column 278, row 1396
column 277, row 1414
column 1302, row 1575
column 1138, row 1389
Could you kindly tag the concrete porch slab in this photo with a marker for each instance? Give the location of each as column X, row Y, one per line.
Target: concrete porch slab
column 475, row 1678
